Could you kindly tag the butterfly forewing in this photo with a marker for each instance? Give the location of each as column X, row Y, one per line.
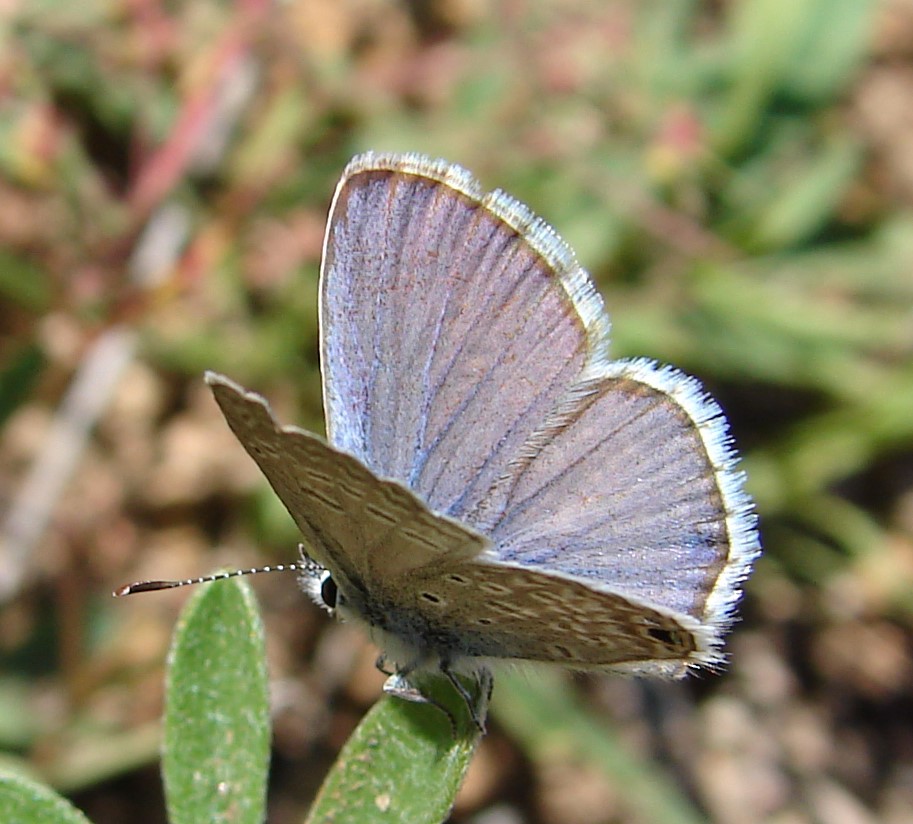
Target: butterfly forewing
column 452, row 322
column 363, row 529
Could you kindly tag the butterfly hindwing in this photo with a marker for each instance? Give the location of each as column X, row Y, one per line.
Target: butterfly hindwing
column 497, row 610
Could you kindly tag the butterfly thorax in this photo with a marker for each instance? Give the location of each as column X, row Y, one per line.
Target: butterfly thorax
column 405, row 634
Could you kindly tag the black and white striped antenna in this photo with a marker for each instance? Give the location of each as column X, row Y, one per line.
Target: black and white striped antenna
column 154, row 586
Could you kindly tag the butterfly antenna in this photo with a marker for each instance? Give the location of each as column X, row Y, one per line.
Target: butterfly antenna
column 154, row 586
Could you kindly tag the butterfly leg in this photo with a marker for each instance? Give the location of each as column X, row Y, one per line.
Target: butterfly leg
column 398, row 685
column 478, row 706
column 486, row 683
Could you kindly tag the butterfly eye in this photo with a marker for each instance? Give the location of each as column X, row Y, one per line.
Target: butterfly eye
column 329, row 592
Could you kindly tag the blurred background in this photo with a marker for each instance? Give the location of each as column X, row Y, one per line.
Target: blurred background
column 737, row 176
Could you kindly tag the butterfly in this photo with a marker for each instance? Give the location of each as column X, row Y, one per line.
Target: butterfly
column 493, row 486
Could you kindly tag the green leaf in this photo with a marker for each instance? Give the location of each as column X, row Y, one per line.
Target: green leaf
column 764, row 36
column 25, row 801
column 806, row 48
column 217, row 733
column 804, row 207
column 403, row 764
column 830, row 50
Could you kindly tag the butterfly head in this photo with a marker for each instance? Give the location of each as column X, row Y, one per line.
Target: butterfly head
column 318, row 582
